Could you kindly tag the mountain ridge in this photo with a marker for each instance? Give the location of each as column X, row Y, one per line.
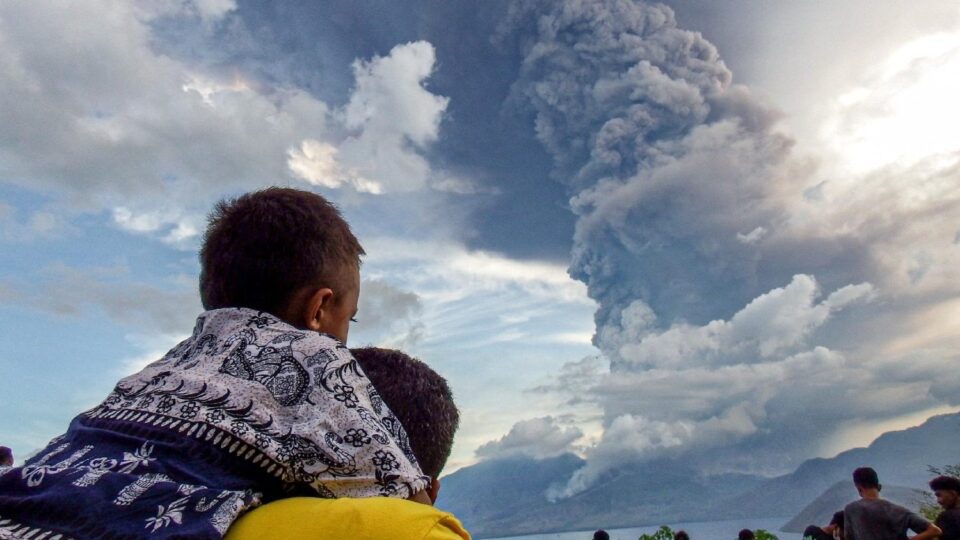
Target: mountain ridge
column 507, row 496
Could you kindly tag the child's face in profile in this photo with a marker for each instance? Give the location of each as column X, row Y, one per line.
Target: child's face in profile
column 344, row 306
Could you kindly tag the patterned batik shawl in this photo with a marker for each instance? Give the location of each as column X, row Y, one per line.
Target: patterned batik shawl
column 248, row 409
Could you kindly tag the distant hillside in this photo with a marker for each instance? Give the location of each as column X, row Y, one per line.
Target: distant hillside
column 822, row 508
column 506, row 497
column 493, row 490
column 900, row 458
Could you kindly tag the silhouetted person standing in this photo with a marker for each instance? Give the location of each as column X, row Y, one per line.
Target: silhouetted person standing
column 6, row 457
column 601, row 535
column 873, row 518
column 681, row 535
column 745, row 534
column 947, row 490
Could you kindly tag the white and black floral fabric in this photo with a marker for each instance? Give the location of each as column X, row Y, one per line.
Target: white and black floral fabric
column 247, row 409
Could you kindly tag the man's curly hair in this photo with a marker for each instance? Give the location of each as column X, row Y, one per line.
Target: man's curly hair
column 945, row 483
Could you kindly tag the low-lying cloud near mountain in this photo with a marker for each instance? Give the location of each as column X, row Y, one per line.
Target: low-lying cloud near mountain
column 538, row 438
column 747, row 306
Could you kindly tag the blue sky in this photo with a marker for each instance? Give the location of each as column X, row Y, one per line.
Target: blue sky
column 618, row 228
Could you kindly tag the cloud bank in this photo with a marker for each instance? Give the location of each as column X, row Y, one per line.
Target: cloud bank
column 537, row 438
column 94, row 113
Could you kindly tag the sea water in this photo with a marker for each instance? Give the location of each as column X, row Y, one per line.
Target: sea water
column 704, row 530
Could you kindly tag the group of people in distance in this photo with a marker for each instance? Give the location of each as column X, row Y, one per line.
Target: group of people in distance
column 874, row 518
column 745, row 534
column 261, row 424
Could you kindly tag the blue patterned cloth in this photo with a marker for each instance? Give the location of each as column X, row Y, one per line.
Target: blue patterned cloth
column 246, row 410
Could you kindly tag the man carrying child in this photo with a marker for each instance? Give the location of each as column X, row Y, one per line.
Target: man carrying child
column 263, row 401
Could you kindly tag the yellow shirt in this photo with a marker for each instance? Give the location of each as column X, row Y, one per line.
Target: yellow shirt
column 377, row 518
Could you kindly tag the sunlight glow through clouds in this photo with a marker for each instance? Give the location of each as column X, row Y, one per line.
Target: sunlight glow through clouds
column 209, row 89
column 905, row 111
column 860, row 433
column 178, row 228
column 890, row 156
column 316, row 162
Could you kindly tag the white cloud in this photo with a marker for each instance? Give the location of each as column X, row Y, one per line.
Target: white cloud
column 96, row 116
column 390, row 114
column 753, row 236
column 771, row 324
column 690, row 389
column 214, row 9
column 637, row 320
column 897, row 114
column 474, row 302
column 538, row 438
column 623, row 439
column 885, row 191
column 390, row 96
column 581, row 338
column 316, row 162
column 706, row 411
column 461, row 186
column 727, row 395
column 578, row 379
column 93, row 114
column 464, row 271
column 389, row 117
column 176, row 227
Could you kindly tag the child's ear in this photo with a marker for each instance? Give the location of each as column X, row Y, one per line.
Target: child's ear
column 316, row 308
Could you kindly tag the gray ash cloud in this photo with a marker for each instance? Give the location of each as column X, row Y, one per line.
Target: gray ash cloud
column 726, row 319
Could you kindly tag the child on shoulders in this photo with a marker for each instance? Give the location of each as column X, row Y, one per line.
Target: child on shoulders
column 262, row 401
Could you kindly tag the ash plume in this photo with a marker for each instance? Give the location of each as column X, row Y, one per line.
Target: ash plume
column 716, row 302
